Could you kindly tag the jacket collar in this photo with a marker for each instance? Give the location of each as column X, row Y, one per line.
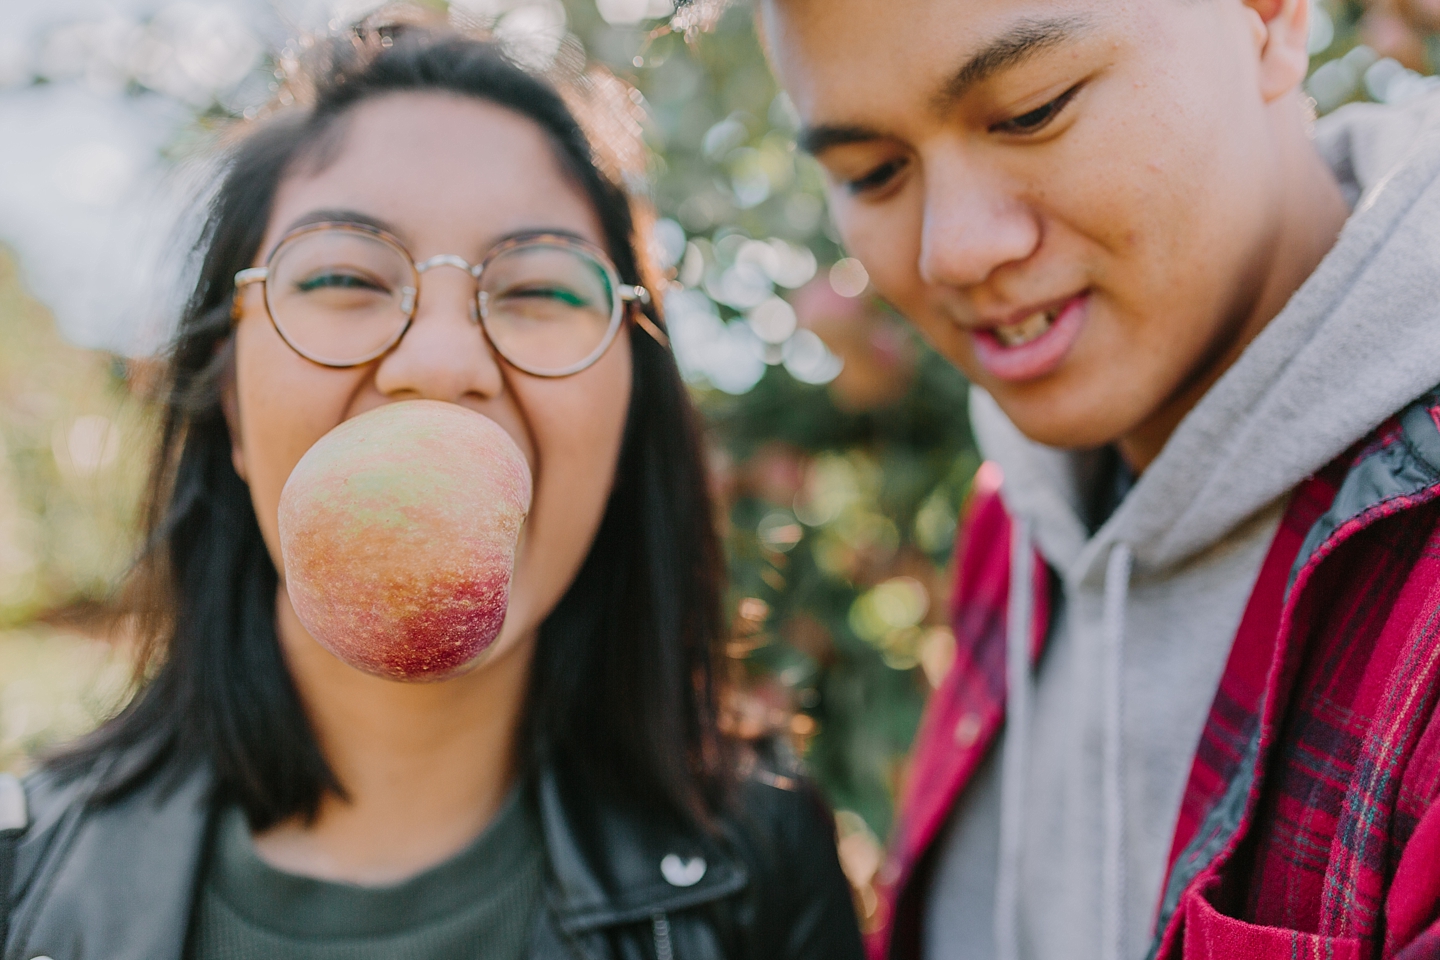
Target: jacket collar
column 1396, row 467
column 607, row 866
column 144, row 852
column 610, row 866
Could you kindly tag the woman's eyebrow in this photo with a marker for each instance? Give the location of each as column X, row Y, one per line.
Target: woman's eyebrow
column 367, row 220
column 341, row 216
column 530, row 233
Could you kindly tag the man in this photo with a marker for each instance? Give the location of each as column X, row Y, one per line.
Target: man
column 1193, row 711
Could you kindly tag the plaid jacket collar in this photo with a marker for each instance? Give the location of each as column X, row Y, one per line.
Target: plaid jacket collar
column 1329, row 692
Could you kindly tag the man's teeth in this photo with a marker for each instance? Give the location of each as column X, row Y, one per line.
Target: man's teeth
column 1031, row 328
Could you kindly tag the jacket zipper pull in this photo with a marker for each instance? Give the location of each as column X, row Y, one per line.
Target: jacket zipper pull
column 661, row 927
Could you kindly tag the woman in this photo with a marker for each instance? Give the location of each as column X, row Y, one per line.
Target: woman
column 569, row 796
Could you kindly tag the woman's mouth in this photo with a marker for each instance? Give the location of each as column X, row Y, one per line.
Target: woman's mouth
column 1033, row 346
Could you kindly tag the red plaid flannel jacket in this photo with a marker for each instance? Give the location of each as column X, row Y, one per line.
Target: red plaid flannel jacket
column 1310, row 825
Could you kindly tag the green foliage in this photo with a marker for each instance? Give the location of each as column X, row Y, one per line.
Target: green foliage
column 54, row 685
column 841, row 497
column 69, row 465
column 1380, row 50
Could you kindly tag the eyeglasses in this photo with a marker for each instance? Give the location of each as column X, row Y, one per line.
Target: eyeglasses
column 342, row 294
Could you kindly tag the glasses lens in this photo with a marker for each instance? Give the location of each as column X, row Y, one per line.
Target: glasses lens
column 340, row 296
column 547, row 307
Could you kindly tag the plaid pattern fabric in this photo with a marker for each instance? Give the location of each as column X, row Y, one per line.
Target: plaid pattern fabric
column 1310, row 825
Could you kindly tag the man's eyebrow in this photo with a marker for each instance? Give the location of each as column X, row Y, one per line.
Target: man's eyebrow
column 817, row 139
column 1022, row 40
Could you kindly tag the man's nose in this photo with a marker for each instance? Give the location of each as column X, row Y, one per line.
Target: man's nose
column 444, row 355
column 973, row 224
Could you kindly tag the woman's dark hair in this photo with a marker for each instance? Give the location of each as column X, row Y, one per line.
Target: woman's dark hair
column 623, row 690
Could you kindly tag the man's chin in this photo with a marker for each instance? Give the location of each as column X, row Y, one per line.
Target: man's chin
column 1081, row 426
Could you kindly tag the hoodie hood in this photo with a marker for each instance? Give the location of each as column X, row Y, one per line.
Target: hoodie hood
column 1356, row 342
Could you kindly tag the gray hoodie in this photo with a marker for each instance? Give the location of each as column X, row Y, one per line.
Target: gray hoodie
column 1059, row 846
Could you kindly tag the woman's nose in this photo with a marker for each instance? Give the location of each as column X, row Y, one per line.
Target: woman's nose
column 444, row 355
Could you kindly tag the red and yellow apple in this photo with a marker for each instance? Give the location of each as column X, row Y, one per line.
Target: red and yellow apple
column 398, row 532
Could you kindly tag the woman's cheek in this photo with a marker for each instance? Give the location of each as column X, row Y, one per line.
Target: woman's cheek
column 577, row 437
column 284, row 404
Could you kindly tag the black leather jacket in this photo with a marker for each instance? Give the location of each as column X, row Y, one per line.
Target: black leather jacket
column 118, row 882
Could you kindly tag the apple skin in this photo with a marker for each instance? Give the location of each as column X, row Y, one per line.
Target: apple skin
column 398, row 532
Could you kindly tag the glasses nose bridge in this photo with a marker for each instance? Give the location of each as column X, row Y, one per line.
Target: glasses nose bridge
column 448, row 260
column 443, row 260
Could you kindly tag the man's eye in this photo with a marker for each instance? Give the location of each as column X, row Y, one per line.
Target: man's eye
column 875, row 179
column 1038, row 118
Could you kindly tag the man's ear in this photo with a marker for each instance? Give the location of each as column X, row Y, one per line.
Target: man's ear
column 1281, row 29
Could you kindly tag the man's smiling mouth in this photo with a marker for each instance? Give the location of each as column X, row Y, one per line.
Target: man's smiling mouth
column 1031, row 328
column 1035, row 345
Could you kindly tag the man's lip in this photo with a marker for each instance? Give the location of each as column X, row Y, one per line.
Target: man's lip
column 1039, row 357
column 993, row 321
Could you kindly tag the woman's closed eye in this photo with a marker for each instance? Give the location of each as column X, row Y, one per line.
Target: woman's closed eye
column 1033, row 121
column 559, row 294
column 339, row 279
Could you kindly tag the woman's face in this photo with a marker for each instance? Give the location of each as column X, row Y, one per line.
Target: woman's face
column 446, row 175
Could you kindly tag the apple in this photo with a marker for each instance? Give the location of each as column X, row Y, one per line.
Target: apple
column 398, row 532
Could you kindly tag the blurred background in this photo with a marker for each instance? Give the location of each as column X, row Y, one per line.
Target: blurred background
column 840, row 444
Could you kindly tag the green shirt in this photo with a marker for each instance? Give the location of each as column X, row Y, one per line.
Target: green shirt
column 479, row 903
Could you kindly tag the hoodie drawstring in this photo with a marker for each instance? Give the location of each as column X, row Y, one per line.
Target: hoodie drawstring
column 1019, row 687
column 1112, row 785
column 1020, row 690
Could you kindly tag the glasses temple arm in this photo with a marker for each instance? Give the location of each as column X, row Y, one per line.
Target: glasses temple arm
column 242, row 279
column 636, row 294
column 629, row 293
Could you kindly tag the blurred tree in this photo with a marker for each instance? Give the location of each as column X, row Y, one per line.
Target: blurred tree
column 1381, row 50
column 70, row 465
column 842, row 447
column 70, row 469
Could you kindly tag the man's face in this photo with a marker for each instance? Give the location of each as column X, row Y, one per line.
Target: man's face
column 1074, row 200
